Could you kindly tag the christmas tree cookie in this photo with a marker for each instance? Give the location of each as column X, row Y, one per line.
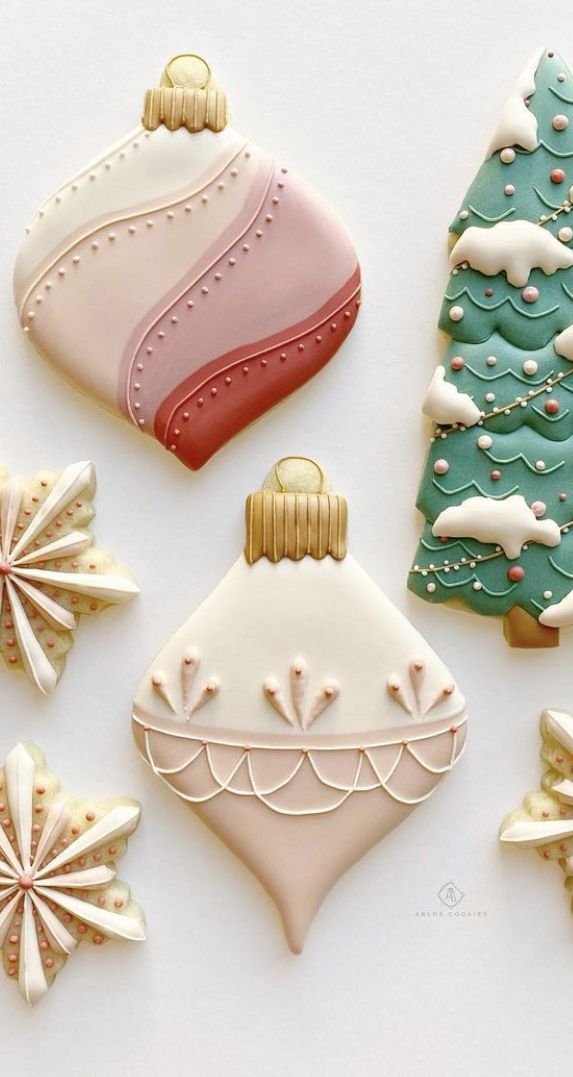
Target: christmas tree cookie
column 497, row 493
column 297, row 711
column 58, row 883
column 50, row 571
column 185, row 278
column 545, row 823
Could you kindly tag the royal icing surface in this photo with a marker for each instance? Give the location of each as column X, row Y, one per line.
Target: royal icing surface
column 58, row 884
column 496, row 494
column 325, row 717
column 50, row 572
column 188, row 282
column 545, row 822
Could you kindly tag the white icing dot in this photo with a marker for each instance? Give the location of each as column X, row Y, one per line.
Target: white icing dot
column 507, row 155
column 456, row 313
column 491, row 360
column 530, row 366
column 441, row 467
column 561, row 77
column 560, row 122
column 509, row 189
column 464, row 215
column 540, row 465
column 490, row 397
column 431, row 587
column 565, row 234
column 548, row 594
column 476, row 585
column 484, row 441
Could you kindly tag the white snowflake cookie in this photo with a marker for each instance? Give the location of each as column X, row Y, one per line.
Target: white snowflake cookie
column 50, row 572
column 57, row 873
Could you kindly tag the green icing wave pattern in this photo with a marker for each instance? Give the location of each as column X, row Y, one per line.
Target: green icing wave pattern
column 531, row 451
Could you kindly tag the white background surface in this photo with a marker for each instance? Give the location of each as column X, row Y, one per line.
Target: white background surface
column 386, row 107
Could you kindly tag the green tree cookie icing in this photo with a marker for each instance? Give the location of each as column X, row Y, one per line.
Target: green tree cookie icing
column 502, row 402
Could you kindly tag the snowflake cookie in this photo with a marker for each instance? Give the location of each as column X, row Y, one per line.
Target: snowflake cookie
column 545, row 822
column 49, row 570
column 57, row 872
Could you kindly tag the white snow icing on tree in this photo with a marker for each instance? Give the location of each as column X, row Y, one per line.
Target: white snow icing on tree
column 513, row 247
column 517, row 125
column 445, row 404
column 563, row 343
column 560, row 614
column 509, row 523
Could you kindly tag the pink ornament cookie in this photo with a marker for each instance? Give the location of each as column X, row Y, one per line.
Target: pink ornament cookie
column 185, row 279
column 58, row 883
column 50, row 572
column 297, row 711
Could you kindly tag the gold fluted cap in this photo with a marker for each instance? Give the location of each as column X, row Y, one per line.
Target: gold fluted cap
column 295, row 515
column 187, row 97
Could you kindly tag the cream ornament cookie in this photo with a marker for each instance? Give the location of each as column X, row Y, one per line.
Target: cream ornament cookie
column 58, row 884
column 545, row 823
column 185, row 279
column 50, row 572
column 297, row 711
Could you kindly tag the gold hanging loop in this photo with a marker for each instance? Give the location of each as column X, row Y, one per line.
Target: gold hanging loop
column 187, row 97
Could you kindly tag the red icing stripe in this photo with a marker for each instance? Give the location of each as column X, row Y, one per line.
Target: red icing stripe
column 227, row 394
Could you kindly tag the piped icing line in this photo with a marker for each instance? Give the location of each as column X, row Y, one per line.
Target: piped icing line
column 492, row 220
column 97, row 162
column 28, row 547
column 163, row 425
column 561, row 96
column 112, row 221
column 183, row 290
column 473, row 485
column 517, row 402
column 306, row 757
column 469, row 562
column 36, row 890
column 508, row 299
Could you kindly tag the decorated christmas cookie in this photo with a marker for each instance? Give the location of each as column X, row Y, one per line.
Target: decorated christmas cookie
column 185, row 279
column 545, row 822
column 297, row 711
column 50, row 572
column 57, row 873
column 497, row 493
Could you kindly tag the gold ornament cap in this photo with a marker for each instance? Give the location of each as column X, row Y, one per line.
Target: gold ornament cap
column 295, row 515
column 187, row 97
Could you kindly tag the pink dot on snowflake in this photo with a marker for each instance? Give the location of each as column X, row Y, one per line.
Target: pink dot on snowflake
column 507, row 155
column 557, row 175
column 560, row 122
column 456, row 314
column 457, row 362
column 441, row 467
column 491, row 360
column 530, row 294
column 552, row 407
column 496, row 475
column 488, row 292
column 515, row 573
column 538, row 508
